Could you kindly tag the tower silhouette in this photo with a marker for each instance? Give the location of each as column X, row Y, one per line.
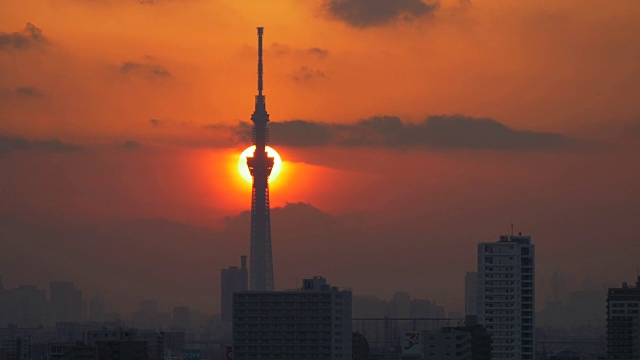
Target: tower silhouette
column 260, row 165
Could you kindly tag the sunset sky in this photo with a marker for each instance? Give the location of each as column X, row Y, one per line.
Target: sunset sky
column 409, row 132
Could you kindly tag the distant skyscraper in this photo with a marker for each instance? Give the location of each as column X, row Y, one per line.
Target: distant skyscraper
column 23, row 306
column 232, row 280
column 260, row 165
column 558, row 288
column 96, row 309
column 400, row 304
column 181, row 317
column 623, row 322
column 313, row 322
column 471, row 293
column 66, row 303
column 506, row 295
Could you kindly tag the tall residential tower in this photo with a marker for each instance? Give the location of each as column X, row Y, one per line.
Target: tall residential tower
column 506, row 295
column 623, row 322
column 260, row 165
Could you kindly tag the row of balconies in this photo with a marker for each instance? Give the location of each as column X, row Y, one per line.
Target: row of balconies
column 620, row 337
column 619, row 331
column 276, row 325
column 284, row 319
column 276, row 337
column 499, row 312
column 279, row 296
column 288, row 305
column 281, row 341
column 285, row 333
column 296, row 356
column 621, row 319
column 280, row 312
column 501, row 305
column 280, row 348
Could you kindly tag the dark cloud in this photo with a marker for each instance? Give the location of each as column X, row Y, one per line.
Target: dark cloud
column 129, row 145
column 300, row 133
column 279, row 49
column 156, row 122
column 320, row 53
column 29, row 37
column 10, row 143
column 148, row 2
column 307, row 75
column 147, row 70
column 367, row 13
column 435, row 132
column 161, row 123
column 29, row 91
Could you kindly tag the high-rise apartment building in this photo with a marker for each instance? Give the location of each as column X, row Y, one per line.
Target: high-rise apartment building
column 232, row 279
column 313, row 322
column 623, row 322
column 506, row 295
column 471, row 293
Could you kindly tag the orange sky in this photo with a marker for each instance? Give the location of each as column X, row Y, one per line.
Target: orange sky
column 174, row 78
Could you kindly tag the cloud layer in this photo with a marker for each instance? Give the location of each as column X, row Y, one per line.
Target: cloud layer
column 147, row 70
column 10, row 143
column 29, row 37
column 435, row 132
column 367, row 13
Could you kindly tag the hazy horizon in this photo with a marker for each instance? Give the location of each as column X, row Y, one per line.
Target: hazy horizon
column 409, row 131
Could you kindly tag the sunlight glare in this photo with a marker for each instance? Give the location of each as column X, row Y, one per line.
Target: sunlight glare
column 244, row 169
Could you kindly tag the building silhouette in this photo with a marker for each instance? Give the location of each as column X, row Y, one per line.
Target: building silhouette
column 400, row 304
column 181, row 317
column 506, row 295
column 25, row 305
column 260, row 165
column 232, row 279
column 122, row 350
column 313, row 322
column 471, row 293
column 469, row 342
column 65, row 303
column 148, row 317
column 623, row 322
column 359, row 347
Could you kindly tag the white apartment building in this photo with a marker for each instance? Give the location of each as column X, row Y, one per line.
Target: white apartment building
column 506, row 295
column 313, row 322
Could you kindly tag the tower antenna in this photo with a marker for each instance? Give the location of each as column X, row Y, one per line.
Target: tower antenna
column 260, row 32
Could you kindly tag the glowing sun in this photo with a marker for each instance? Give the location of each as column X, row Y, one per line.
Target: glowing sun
column 244, row 169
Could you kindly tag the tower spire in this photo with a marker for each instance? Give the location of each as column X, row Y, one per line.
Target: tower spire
column 260, row 32
column 260, row 165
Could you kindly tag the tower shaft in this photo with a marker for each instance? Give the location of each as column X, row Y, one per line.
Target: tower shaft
column 260, row 165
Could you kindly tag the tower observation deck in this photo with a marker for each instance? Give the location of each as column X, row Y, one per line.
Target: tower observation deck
column 260, row 165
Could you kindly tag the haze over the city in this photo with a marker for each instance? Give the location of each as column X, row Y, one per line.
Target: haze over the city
column 409, row 132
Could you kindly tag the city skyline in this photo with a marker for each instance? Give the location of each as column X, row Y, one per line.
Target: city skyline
column 409, row 133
